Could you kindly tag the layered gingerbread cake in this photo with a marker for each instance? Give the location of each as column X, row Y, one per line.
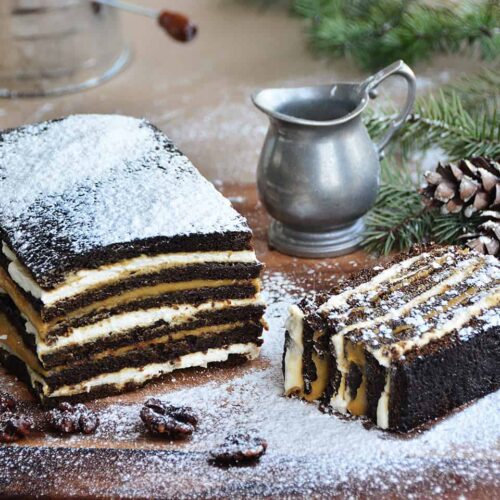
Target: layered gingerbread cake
column 119, row 261
column 401, row 344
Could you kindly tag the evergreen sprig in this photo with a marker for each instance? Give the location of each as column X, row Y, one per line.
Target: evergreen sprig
column 453, row 121
column 464, row 112
column 374, row 33
column 449, row 228
column 400, row 219
column 443, row 121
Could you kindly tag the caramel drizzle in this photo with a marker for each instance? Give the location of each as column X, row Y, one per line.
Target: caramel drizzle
column 413, row 284
column 420, row 301
column 340, row 302
column 433, row 314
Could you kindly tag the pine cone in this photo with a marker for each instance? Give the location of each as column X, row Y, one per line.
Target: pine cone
column 487, row 238
column 470, row 186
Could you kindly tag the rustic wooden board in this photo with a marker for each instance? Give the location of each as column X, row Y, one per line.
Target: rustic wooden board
column 122, row 460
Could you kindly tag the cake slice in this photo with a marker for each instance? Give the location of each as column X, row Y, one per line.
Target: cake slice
column 119, row 261
column 403, row 344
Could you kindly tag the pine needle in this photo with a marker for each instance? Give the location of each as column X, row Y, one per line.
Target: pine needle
column 399, row 217
column 375, row 33
column 451, row 120
column 449, row 228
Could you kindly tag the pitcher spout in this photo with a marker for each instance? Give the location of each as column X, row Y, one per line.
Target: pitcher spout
column 321, row 105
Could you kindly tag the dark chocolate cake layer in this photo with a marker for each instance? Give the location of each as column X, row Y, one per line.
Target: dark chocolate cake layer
column 208, row 271
column 126, row 191
column 153, row 353
column 143, row 373
column 70, row 354
column 202, row 272
column 195, row 294
column 461, row 370
column 144, row 360
column 393, row 343
column 250, row 314
column 15, row 366
column 193, row 297
column 139, row 354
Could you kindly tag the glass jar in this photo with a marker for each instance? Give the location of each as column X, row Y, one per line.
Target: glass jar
column 54, row 46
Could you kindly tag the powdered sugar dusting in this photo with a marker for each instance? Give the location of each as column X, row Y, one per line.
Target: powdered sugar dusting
column 436, row 295
column 89, row 181
column 48, row 159
column 309, row 453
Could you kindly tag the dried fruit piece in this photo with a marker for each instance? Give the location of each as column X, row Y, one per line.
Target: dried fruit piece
column 7, row 403
column 169, row 420
column 14, row 427
column 68, row 418
column 239, row 449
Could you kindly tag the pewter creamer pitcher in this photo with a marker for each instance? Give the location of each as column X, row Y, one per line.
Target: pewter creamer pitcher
column 319, row 170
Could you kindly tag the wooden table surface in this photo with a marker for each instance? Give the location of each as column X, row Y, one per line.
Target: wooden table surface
column 123, row 461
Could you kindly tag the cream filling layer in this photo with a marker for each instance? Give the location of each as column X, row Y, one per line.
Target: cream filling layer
column 294, row 379
column 340, row 399
column 86, row 279
column 172, row 315
column 383, row 404
column 148, row 372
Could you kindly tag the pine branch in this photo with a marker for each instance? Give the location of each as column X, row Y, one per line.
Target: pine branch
column 399, row 218
column 443, row 122
column 375, row 33
column 449, row 228
column 461, row 119
column 384, row 232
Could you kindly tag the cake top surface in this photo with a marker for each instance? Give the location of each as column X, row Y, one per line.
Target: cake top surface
column 84, row 182
column 417, row 300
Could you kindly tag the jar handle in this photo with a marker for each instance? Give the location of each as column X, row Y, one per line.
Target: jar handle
column 402, row 69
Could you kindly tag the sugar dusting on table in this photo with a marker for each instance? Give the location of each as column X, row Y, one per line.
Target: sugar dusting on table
column 309, row 452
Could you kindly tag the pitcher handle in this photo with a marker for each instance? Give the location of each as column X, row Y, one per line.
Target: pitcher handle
column 402, row 69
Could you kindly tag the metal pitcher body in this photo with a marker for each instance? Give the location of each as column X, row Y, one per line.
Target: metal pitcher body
column 319, row 170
